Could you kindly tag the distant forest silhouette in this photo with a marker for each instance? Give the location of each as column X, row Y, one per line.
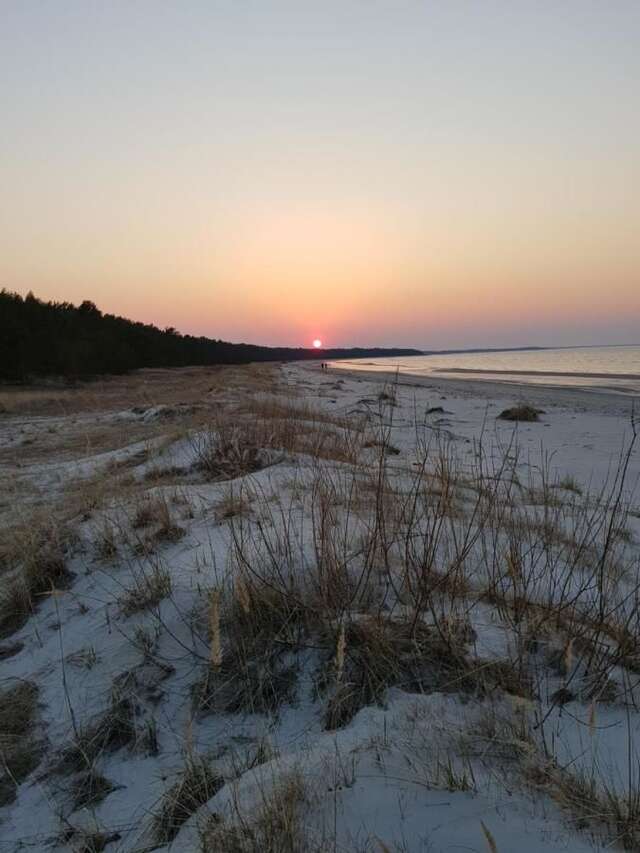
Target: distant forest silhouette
column 40, row 338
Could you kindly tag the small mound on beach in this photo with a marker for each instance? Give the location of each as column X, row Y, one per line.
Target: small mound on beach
column 520, row 413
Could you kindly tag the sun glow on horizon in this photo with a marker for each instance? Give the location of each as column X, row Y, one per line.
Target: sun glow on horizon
column 317, row 343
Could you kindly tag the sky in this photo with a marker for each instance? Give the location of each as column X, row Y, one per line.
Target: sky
column 429, row 174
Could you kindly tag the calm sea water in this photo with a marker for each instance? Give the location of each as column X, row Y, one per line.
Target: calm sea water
column 596, row 368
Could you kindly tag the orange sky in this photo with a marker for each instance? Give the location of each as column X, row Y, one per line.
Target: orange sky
column 436, row 175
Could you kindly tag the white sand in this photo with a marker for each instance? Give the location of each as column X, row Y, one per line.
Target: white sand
column 582, row 433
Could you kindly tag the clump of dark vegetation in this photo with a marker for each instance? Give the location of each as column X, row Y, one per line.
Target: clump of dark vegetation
column 227, row 451
column 257, row 684
column 15, row 606
column 40, row 556
column 20, row 750
column 148, row 590
column 384, row 447
column 110, row 731
column 232, row 505
column 90, row 788
column 148, row 512
column 276, row 826
column 155, row 512
column 84, row 841
column 522, row 412
column 106, row 547
column 195, row 786
column 165, row 474
column 255, row 672
column 373, row 654
column 9, row 650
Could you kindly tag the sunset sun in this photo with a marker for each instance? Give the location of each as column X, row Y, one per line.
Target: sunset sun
column 317, row 343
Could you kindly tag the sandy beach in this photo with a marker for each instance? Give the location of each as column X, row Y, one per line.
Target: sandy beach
column 583, row 432
column 604, row 400
column 295, row 609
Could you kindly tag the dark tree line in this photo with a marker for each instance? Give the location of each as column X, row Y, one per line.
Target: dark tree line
column 58, row 338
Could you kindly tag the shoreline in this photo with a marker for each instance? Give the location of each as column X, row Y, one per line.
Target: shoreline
column 536, row 373
column 579, row 434
column 607, row 401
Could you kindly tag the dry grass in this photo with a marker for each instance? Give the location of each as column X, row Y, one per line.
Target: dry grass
column 154, row 522
column 145, row 514
column 38, row 556
column 195, row 786
column 588, row 798
column 140, row 389
column 227, row 450
column 275, row 825
column 272, row 408
column 591, row 802
column 234, row 445
column 89, row 788
column 246, row 682
column 15, row 606
column 233, row 504
column 255, row 671
column 108, row 732
column 150, row 588
column 20, row 749
column 84, row 841
column 570, row 484
column 377, row 654
column 105, row 542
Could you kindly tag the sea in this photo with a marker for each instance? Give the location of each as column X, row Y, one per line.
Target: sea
column 596, row 368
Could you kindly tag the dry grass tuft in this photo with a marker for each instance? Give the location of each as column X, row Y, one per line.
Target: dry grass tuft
column 106, row 547
column 590, row 802
column 89, row 789
column 146, row 513
column 156, row 512
column 195, row 786
column 232, row 505
column 91, row 842
column 589, row 799
column 39, row 555
column 110, row 731
column 256, row 684
column 15, row 606
column 373, row 654
column 275, row 826
column 253, row 668
column 570, row 484
column 228, row 450
column 17, row 708
column 150, row 588
column 20, row 750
